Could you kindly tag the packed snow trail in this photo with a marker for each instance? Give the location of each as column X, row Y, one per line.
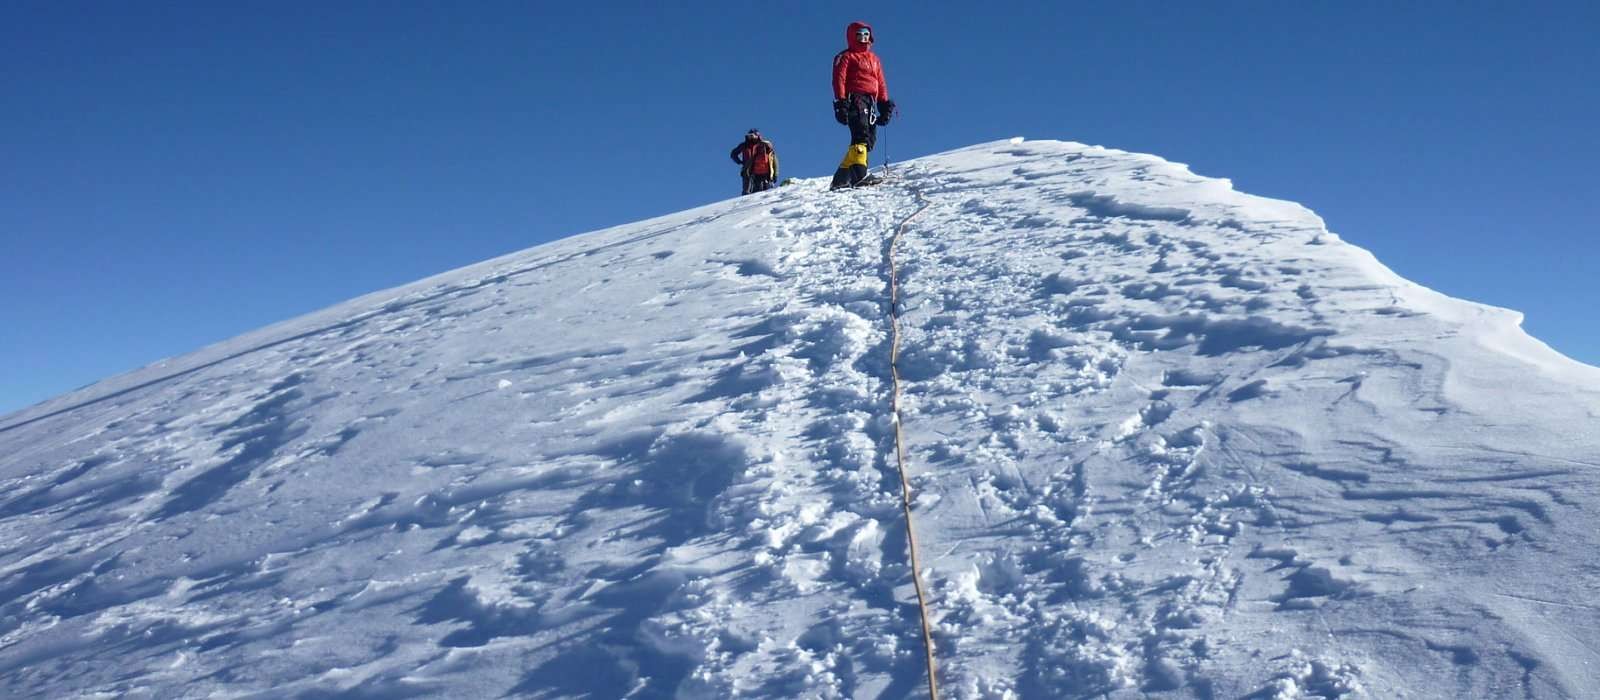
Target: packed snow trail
column 913, row 551
column 1164, row 439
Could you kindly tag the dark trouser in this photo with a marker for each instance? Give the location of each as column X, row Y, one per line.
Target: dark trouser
column 862, row 120
column 756, row 183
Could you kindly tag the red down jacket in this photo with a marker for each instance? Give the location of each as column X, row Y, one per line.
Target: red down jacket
column 856, row 69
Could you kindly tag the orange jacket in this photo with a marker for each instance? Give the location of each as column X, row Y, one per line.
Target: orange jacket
column 757, row 158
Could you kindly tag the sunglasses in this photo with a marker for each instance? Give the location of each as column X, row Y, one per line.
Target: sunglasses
column 863, row 33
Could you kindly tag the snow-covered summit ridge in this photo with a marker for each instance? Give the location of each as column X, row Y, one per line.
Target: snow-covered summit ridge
column 1166, row 439
column 1500, row 328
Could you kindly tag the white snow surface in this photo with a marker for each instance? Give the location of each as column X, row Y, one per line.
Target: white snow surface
column 1165, row 440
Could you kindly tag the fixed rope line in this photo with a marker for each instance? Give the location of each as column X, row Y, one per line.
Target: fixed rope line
column 885, row 142
column 900, row 444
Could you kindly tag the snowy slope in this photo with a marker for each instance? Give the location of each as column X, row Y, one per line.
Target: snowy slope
column 1166, row 439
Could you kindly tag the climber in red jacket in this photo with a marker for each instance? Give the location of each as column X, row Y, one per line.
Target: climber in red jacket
column 860, row 101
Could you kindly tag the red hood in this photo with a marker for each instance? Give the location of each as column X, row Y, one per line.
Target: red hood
column 850, row 37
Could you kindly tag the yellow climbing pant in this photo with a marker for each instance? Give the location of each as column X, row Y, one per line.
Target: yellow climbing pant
column 855, row 155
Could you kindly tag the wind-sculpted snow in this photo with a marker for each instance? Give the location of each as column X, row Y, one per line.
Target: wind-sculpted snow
column 1165, row 440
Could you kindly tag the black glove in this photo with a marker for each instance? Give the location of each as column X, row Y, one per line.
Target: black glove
column 885, row 111
column 841, row 111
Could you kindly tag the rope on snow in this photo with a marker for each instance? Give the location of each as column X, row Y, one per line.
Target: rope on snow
column 900, row 442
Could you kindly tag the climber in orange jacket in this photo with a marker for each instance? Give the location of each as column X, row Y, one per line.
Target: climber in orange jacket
column 758, row 162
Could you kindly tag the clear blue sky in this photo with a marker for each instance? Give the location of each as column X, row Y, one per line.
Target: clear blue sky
column 175, row 173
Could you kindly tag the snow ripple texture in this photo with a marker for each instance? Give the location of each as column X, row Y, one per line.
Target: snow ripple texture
column 1166, row 439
